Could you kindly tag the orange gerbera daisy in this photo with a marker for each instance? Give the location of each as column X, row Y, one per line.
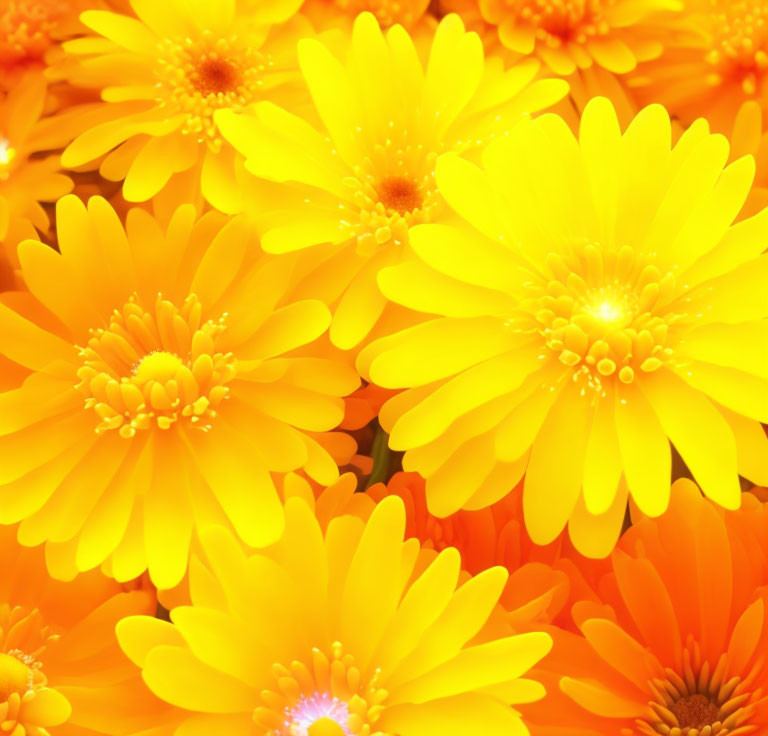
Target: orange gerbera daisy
column 351, row 191
column 678, row 646
column 575, row 34
column 163, row 392
column 342, row 632
column 162, row 76
column 718, row 61
column 544, row 580
column 27, row 176
column 61, row 669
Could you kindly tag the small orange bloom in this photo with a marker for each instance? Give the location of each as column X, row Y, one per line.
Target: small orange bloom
column 60, row 664
column 678, row 647
column 544, row 581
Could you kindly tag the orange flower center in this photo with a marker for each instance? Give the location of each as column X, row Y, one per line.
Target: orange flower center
column 197, row 77
column 400, row 194
column 326, row 697
column 155, row 368
column 740, row 50
column 559, row 21
column 602, row 312
column 7, row 157
column 26, row 26
column 700, row 700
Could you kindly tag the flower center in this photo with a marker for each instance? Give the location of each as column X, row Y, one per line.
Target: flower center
column 387, row 12
column 559, row 21
column 26, row 26
column 155, row 368
column 603, row 312
column 740, row 29
column 7, row 155
column 400, row 194
column 699, row 700
column 324, row 698
column 198, row 77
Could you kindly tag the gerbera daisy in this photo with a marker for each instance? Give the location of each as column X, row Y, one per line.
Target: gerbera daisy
column 358, row 186
column 61, row 669
column 163, row 392
column 325, row 13
column 162, row 76
column 678, row 646
column 595, row 304
column 351, row 631
column 717, row 61
column 568, row 35
column 544, row 581
column 27, row 176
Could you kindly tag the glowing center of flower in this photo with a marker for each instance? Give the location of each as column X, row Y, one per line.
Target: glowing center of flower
column 15, row 676
column 700, row 700
column 740, row 44
column 318, row 715
column 26, row 26
column 558, row 21
column 603, row 312
column 325, row 696
column 400, row 194
column 155, row 368
column 198, row 77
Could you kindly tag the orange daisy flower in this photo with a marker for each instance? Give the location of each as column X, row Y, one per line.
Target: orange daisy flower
column 717, row 61
column 678, row 646
column 60, row 664
column 544, row 581
column 28, row 176
column 569, row 35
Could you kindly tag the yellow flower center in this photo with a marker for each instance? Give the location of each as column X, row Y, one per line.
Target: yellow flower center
column 393, row 190
column 7, row 155
column 326, row 697
column 559, row 21
column 198, row 77
column 601, row 312
column 699, row 700
column 15, row 676
column 740, row 48
column 155, row 368
column 387, row 12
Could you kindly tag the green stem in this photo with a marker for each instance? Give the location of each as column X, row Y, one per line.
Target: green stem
column 380, row 453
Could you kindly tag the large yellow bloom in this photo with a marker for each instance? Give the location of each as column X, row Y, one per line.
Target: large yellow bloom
column 347, row 632
column 61, row 669
column 570, row 35
column 168, row 382
column 27, row 175
column 163, row 75
column 357, row 187
column 596, row 304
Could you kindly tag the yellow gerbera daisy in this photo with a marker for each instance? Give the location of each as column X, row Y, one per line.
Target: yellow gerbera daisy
column 347, row 632
column 359, row 185
column 596, row 304
column 163, row 74
column 568, row 35
column 61, row 669
column 169, row 384
column 27, row 178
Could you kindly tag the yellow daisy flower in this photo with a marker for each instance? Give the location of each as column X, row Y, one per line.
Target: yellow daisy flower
column 61, row 669
column 358, row 185
column 351, row 632
column 167, row 387
column 162, row 76
column 596, row 305
column 570, row 35
column 27, row 176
